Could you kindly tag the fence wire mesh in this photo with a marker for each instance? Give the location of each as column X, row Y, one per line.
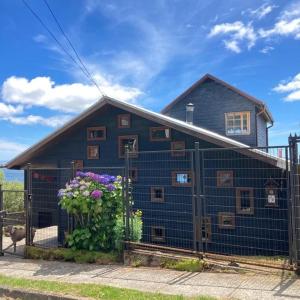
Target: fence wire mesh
column 162, row 188
column 228, row 201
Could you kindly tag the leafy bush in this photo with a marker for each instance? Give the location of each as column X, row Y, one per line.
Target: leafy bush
column 188, row 264
column 136, row 230
column 78, row 256
column 12, row 201
column 95, row 201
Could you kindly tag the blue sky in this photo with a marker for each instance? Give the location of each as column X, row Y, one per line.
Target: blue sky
column 145, row 52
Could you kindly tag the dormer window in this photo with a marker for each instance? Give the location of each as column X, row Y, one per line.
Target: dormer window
column 237, row 123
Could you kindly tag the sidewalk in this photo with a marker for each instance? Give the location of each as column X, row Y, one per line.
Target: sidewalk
column 222, row 285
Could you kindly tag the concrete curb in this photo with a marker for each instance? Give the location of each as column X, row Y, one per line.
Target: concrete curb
column 32, row 295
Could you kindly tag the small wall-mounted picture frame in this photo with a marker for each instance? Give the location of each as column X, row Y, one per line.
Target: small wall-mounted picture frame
column 182, row 178
column 224, row 178
column 158, row 233
column 226, row 220
column 245, row 201
column 157, row 194
column 93, row 152
column 178, row 148
column 78, row 164
column 124, row 121
column 96, row 133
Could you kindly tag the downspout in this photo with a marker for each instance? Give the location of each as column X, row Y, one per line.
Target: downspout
column 263, row 110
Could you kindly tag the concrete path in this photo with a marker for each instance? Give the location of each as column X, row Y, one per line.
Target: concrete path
column 221, row 285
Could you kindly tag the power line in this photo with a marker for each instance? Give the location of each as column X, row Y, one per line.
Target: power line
column 71, row 45
column 84, row 70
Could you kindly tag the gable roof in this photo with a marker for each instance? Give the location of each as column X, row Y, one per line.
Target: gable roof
column 259, row 103
column 176, row 124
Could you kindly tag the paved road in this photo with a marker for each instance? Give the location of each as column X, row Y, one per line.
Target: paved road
column 222, row 285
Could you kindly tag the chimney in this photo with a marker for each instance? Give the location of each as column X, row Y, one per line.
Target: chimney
column 190, row 113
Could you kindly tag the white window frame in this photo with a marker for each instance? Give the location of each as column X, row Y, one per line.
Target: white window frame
column 241, row 114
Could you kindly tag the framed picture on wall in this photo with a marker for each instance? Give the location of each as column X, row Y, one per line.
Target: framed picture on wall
column 224, row 178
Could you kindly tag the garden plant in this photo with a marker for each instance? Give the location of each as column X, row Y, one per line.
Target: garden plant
column 95, row 202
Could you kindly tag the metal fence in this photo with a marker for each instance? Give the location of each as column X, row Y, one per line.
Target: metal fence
column 234, row 202
column 47, row 218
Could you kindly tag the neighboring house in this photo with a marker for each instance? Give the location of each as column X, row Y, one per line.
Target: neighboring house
column 224, row 109
column 98, row 136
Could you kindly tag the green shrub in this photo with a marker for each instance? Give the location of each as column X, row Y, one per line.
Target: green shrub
column 95, row 202
column 136, row 229
column 78, row 256
column 189, row 264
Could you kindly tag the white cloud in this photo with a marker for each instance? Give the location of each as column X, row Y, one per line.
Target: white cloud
column 283, row 28
column 70, row 98
column 262, row 11
column 54, row 121
column 237, row 32
column 10, row 149
column 266, row 49
column 291, row 87
column 288, row 23
column 233, row 46
column 7, row 110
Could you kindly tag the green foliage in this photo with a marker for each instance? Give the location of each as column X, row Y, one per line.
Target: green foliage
column 136, row 230
column 189, row 264
column 12, row 201
column 92, row 291
column 95, row 201
column 78, row 256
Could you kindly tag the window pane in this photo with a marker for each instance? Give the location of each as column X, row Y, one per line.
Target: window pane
column 245, row 200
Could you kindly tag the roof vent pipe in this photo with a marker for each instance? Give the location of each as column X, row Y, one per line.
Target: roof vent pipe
column 189, row 113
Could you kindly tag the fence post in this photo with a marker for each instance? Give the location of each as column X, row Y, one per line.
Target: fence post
column 198, row 195
column 1, row 221
column 289, row 204
column 70, row 217
column 294, row 181
column 127, row 209
column 194, row 199
column 28, row 205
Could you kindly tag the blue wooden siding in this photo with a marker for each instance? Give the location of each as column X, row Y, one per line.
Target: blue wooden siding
column 212, row 100
column 261, row 131
column 154, row 171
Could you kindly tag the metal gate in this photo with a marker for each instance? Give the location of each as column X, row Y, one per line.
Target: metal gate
column 294, row 145
column 13, row 221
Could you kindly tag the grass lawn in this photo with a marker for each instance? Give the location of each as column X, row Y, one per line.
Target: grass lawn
column 93, row 291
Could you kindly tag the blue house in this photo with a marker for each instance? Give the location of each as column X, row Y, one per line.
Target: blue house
column 228, row 197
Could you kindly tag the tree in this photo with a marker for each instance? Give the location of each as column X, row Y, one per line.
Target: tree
column 13, row 195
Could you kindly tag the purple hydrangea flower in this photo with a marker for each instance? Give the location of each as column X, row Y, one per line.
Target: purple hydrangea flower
column 80, row 174
column 69, row 194
column 96, row 194
column 61, row 193
column 110, row 187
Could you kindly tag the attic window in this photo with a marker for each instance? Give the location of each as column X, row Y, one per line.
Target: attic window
column 132, row 142
column 160, row 134
column 237, row 123
column 96, row 133
column 124, row 121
